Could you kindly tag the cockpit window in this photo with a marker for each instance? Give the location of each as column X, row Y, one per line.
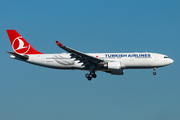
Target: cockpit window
column 165, row 56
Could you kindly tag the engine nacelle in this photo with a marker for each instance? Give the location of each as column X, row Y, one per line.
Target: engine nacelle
column 113, row 65
column 117, row 72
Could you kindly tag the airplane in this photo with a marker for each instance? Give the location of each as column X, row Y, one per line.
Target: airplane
column 113, row 63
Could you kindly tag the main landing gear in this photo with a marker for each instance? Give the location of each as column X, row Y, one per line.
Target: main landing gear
column 154, row 73
column 91, row 75
column 92, row 72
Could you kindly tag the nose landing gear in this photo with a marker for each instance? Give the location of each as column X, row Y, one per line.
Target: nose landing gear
column 154, row 73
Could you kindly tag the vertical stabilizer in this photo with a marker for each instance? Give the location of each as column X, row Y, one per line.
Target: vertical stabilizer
column 19, row 44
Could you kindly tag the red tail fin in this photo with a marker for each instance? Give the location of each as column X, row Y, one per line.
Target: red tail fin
column 19, row 44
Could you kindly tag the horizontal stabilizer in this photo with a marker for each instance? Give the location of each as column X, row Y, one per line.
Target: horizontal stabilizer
column 22, row 57
column 19, row 44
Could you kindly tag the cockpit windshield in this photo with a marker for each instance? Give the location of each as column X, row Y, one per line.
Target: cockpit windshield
column 165, row 56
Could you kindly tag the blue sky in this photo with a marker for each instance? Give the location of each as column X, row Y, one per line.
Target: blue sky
column 36, row 93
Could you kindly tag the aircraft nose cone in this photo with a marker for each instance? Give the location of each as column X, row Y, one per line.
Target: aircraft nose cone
column 171, row 60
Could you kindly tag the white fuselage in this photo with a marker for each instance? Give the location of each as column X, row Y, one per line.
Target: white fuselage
column 113, row 63
column 127, row 60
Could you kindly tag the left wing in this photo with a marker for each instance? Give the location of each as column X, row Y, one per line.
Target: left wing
column 84, row 58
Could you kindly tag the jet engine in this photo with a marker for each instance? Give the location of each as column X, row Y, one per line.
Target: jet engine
column 113, row 65
column 117, row 72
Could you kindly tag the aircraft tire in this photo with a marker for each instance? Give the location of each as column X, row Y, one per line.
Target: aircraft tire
column 89, row 78
column 154, row 73
column 94, row 75
column 87, row 75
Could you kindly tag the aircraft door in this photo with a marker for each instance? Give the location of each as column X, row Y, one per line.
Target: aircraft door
column 43, row 59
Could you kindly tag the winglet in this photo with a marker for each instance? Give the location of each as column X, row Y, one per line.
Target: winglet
column 59, row 44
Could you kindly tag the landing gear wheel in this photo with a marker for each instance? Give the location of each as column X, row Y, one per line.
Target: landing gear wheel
column 91, row 75
column 89, row 78
column 94, row 75
column 154, row 73
column 92, row 72
column 87, row 75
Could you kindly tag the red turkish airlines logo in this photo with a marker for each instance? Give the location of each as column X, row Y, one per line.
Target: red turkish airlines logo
column 20, row 46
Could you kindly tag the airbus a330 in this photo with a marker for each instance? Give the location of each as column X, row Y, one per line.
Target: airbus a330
column 113, row 63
